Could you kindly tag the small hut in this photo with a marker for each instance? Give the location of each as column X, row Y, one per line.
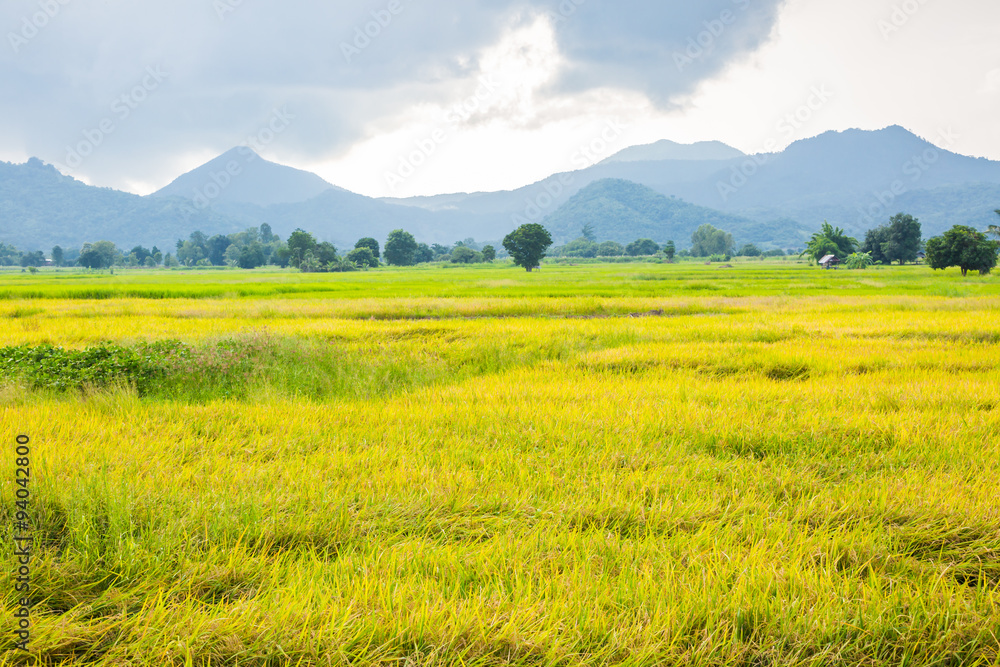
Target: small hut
column 829, row 262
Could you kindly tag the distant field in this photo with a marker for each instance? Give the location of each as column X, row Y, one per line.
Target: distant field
column 635, row 464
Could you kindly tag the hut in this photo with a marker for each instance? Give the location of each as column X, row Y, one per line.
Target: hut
column 829, row 262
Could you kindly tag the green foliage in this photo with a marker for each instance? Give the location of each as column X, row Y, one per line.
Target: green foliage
column 465, row 255
column 55, row 368
column 300, row 244
column 400, row 248
column 859, row 260
column 371, row 244
column 100, row 255
column 57, row 256
column 423, row 254
column 749, row 250
column 670, row 251
column 964, row 247
column 363, row 257
column 830, row 240
column 581, row 247
column 707, row 240
column 610, row 249
column 642, row 248
column 489, row 253
column 527, row 245
column 588, row 233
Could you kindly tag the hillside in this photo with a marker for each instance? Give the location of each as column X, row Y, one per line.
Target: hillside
column 242, row 176
column 671, row 150
column 623, row 211
column 41, row 208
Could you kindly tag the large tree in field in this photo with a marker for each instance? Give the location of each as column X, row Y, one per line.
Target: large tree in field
column 830, row 240
column 964, row 247
column 707, row 241
column 903, row 243
column 400, row 248
column 371, row 244
column 527, row 245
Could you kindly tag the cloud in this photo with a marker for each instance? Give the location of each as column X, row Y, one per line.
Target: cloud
column 342, row 68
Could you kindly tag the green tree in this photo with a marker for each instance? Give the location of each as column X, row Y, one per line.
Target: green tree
column 527, row 245
column 588, row 233
column 57, row 256
column 300, row 242
column 100, row 255
column 876, row 240
column 964, row 247
column 581, row 247
column 371, row 244
column 707, row 241
column 33, row 259
column 903, row 240
column 859, row 260
column 423, row 254
column 994, row 230
column 670, row 251
column 465, row 255
column 267, row 236
column 642, row 248
column 830, row 240
column 252, row 256
column 489, row 253
column 363, row 257
column 400, row 248
column 216, row 249
column 190, row 253
column 749, row 250
column 610, row 249
column 326, row 253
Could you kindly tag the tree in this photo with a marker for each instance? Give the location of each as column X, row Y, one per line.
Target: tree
column 749, row 250
column 267, row 236
column 581, row 247
column 588, row 233
column 859, row 260
column 642, row 248
column 610, row 249
column 33, row 259
column 400, row 248
column 465, row 255
column 190, row 253
column 300, row 242
column 830, row 240
column 904, row 239
column 707, row 241
column 994, row 230
column 489, row 253
column 670, row 251
column 371, row 244
column 875, row 242
column 326, row 253
column 964, row 247
column 423, row 254
column 252, row 256
column 527, row 245
column 363, row 257
column 100, row 255
column 217, row 246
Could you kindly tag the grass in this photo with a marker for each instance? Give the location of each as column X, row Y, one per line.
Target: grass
column 417, row 471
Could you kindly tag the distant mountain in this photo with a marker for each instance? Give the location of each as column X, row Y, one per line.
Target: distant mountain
column 241, row 176
column 41, row 208
column 624, row 211
column 670, row 150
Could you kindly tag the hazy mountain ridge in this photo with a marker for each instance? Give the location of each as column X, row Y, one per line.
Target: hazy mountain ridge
column 844, row 177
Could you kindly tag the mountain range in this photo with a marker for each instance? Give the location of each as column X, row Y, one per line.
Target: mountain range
column 855, row 179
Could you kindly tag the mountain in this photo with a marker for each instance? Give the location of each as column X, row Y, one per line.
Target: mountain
column 670, row 150
column 41, row 208
column 624, row 211
column 242, row 176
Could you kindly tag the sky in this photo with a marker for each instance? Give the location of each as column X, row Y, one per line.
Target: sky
column 398, row 98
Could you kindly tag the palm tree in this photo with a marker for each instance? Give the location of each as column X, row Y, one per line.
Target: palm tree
column 994, row 230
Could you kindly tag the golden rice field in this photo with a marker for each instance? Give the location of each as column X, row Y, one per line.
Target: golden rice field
column 786, row 467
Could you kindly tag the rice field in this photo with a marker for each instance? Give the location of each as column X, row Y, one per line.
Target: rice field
column 642, row 464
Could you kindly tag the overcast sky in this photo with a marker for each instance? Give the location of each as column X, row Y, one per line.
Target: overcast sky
column 406, row 97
